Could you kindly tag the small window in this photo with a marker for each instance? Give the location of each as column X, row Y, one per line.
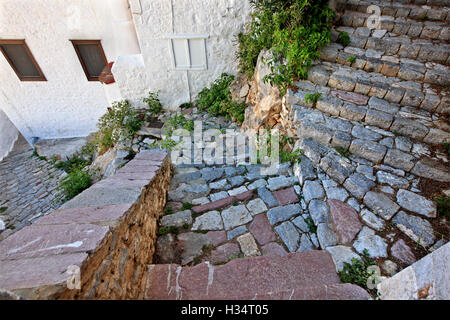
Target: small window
column 21, row 60
column 92, row 57
column 188, row 51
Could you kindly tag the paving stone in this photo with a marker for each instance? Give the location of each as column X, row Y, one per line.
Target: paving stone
column 402, row 252
column 235, row 192
column 248, row 245
column 358, row 185
column 312, row 190
column 279, row 182
column 336, row 167
column 237, row 181
column 367, row 171
column 416, row 203
column 304, row 170
column 313, row 150
column 431, row 169
column 372, row 220
column 236, row 232
column 199, row 201
column 218, row 196
column 257, row 184
column 305, row 244
column 375, row 245
column 256, row 206
column 368, row 150
column 224, row 252
column 208, row 221
column 273, row 248
column 289, row 235
column 344, row 220
column 210, row 174
column 235, row 216
column 221, row 184
column 392, row 180
column 360, row 132
column 267, row 197
column 326, row 236
column 341, row 254
column 381, row 204
column 319, row 211
column 191, row 244
column 262, row 230
column 247, row 195
column 389, row 267
column 177, row 219
column 216, row 237
column 286, row 196
column 418, row 229
column 284, row 213
column 399, row 159
column 214, row 205
column 197, row 186
column 300, row 223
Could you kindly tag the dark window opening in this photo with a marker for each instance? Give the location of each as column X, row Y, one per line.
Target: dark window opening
column 91, row 56
column 21, row 60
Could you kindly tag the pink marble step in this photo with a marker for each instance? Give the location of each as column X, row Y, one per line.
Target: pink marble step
column 243, row 277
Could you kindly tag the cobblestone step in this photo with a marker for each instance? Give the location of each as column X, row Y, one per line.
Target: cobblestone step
column 435, row 30
column 301, row 273
column 375, row 61
column 402, row 46
column 387, row 119
column 396, row 9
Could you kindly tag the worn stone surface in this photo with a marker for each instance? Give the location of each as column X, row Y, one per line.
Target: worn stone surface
column 273, row 248
column 267, row 197
column 236, row 232
column 341, row 254
column 248, row 245
column 381, row 204
column 327, row 237
column 191, row 244
column 402, row 252
column 208, row 221
column 416, row 203
column 319, row 211
column 418, row 229
column 289, row 234
column 284, row 213
column 312, row 190
column 235, row 216
column 345, row 221
column 256, row 206
column 262, row 230
column 177, row 219
column 223, row 253
column 375, row 245
column 286, row 196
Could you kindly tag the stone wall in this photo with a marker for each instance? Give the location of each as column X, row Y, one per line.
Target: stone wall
column 108, row 231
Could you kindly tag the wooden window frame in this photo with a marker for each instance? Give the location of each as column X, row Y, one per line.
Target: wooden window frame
column 33, row 60
column 99, row 44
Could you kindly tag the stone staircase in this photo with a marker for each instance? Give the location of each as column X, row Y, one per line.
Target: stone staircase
column 309, row 275
column 382, row 116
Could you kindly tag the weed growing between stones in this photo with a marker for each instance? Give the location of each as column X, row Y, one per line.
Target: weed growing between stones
column 343, row 39
column 3, row 209
column 186, row 206
column 166, row 230
column 217, row 100
column 168, row 210
column 342, row 151
column 356, row 272
column 443, row 206
column 35, row 154
column 312, row 97
column 310, row 223
column 77, row 180
column 286, row 154
column 351, row 59
column 294, row 30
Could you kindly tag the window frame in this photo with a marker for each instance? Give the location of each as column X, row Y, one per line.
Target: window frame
column 186, row 38
column 75, row 43
column 30, row 55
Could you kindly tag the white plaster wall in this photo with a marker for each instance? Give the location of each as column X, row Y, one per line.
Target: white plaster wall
column 67, row 104
column 222, row 20
column 8, row 135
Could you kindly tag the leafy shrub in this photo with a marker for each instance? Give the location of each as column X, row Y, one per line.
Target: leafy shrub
column 74, row 183
column 180, row 121
column 443, row 205
column 343, row 39
column 186, row 206
column 120, row 120
column 154, row 105
column 294, row 30
column 217, row 101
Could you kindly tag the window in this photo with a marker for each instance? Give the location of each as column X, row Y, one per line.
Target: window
column 21, row 60
column 92, row 57
column 188, row 51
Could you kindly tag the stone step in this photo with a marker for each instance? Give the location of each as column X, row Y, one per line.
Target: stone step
column 375, row 61
column 245, row 277
column 387, row 119
column 401, row 46
column 401, row 26
column 399, row 9
column 391, row 89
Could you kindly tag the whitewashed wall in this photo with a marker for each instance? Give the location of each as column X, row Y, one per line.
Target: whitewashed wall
column 67, row 105
column 222, row 20
column 8, row 135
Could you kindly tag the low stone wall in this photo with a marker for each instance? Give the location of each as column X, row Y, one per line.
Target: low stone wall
column 108, row 232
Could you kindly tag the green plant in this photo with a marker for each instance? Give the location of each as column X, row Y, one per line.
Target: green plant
column 235, row 256
column 3, row 209
column 120, row 120
column 294, row 31
column 443, row 205
column 186, row 226
column 356, row 272
column 162, row 231
column 217, row 101
column 154, row 105
column 310, row 223
column 168, row 210
column 235, row 203
column 180, row 121
column 351, row 59
column 173, row 230
column 187, row 206
column 35, row 154
column 73, row 184
column 446, row 146
column 342, row 151
column 312, row 97
column 291, row 156
column 343, row 39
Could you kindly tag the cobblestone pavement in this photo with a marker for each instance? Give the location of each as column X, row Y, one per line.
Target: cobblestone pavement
column 27, row 188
